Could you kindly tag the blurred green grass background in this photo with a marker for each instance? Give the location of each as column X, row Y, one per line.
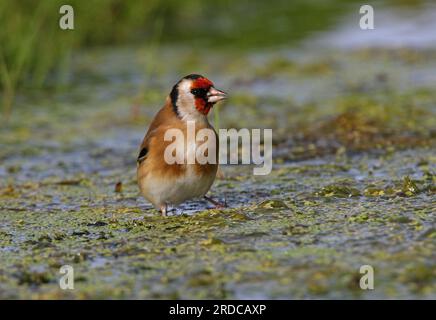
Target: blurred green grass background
column 36, row 54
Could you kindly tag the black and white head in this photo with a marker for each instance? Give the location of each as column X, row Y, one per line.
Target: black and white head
column 193, row 97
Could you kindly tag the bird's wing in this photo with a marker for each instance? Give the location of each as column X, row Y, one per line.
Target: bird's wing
column 142, row 154
column 164, row 117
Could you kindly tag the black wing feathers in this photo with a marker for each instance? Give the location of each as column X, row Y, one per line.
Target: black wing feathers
column 142, row 154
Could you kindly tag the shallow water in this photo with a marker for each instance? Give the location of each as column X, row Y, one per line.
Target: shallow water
column 352, row 182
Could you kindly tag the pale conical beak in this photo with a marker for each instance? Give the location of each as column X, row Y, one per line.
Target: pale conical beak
column 215, row 95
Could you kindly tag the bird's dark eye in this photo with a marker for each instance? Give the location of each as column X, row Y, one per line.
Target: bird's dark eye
column 199, row 92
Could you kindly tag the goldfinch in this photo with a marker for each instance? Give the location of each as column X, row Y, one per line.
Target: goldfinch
column 165, row 184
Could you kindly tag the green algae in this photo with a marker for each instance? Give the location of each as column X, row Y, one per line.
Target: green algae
column 353, row 183
column 341, row 191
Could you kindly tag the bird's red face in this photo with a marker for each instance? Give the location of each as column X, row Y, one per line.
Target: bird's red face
column 194, row 95
column 205, row 94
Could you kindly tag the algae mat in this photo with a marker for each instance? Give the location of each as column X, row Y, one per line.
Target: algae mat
column 352, row 184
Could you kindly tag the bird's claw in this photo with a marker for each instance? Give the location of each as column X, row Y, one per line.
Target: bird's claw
column 217, row 204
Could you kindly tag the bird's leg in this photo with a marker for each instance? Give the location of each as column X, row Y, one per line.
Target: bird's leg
column 163, row 210
column 217, row 204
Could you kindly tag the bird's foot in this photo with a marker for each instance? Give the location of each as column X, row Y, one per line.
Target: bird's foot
column 217, row 204
column 163, row 210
